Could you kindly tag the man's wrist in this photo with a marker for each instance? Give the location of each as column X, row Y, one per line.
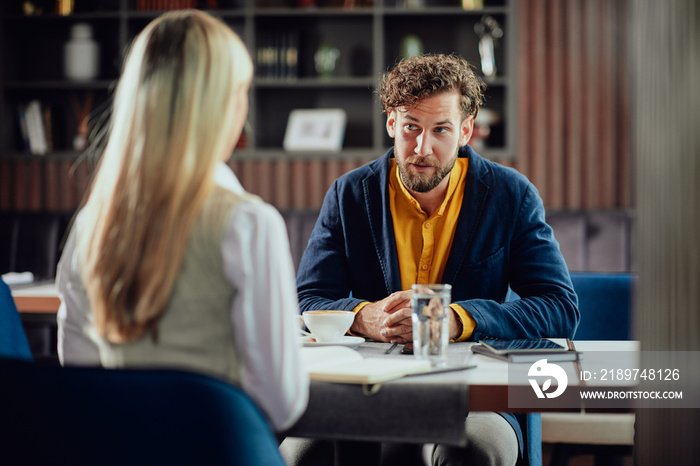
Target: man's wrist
column 465, row 321
column 355, row 328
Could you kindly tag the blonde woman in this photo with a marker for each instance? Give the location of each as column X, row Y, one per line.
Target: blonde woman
column 171, row 263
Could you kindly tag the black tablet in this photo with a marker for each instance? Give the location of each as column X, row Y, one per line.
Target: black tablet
column 537, row 344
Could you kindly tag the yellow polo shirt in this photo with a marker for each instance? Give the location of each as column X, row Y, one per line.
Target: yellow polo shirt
column 423, row 243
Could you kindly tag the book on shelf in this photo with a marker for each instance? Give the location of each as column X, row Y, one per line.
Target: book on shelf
column 64, row 7
column 35, row 186
column 6, row 184
column 52, row 187
column 345, row 365
column 525, row 350
column 277, row 56
column 299, row 190
column 37, row 132
column 164, row 5
column 70, row 198
column 48, row 127
column 317, row 185
column 23, row 128
column 35, row 128
column 282, row 198
column 28, row 184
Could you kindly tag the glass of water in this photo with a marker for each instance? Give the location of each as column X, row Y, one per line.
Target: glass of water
column 431, row 304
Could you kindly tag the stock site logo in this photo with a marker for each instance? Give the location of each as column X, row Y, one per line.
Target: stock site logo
column 542, row 368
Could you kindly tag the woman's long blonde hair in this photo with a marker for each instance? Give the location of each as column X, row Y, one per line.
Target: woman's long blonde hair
column 179, row 109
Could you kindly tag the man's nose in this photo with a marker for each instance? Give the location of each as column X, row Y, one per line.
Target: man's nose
column 422, row 144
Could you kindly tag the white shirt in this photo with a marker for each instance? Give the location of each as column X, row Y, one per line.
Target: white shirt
column 258, row 263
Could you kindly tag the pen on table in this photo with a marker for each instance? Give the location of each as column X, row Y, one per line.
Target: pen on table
column 392, row 347
column 444, row 369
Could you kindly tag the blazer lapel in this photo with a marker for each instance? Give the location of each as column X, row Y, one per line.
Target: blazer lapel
column 475, row 193
column 375, row 191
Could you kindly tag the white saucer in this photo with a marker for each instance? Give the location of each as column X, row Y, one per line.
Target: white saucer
column 349, row 341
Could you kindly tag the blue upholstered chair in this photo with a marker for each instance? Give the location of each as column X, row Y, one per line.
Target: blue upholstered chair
column 87, row 416
column 605, row 302
column 13, row 340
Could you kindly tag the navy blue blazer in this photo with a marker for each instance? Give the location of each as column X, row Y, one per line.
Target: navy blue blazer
column 501, row 240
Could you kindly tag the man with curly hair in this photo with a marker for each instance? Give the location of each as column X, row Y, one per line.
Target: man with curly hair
column 431, row 210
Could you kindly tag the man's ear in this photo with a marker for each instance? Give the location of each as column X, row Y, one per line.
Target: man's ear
column 391, row 124
column 466, row 130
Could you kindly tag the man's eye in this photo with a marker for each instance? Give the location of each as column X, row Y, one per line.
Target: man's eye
column 411, row 127
column 441, row 130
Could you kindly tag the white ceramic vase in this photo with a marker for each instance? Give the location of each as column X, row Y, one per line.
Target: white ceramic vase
column 81, row 54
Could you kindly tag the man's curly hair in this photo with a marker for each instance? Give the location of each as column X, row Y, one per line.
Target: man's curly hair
column 416, row 78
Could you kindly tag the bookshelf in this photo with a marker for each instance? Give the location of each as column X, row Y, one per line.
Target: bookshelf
column 368, row 37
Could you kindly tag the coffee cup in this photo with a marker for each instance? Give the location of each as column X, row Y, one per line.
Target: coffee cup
column 328, row 326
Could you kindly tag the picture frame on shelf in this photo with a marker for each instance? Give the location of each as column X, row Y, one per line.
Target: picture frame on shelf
column 315, row 130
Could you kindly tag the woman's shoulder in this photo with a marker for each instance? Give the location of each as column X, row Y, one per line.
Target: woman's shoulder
column 244, row 207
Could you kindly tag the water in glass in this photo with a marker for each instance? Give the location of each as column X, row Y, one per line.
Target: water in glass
column 430, row 305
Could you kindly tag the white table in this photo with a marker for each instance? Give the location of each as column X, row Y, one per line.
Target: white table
column 39, row 298
column 427, row 408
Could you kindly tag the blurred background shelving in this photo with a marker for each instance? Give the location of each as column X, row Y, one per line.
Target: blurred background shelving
column 282, row 37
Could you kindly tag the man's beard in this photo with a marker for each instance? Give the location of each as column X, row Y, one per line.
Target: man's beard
column 423, row 182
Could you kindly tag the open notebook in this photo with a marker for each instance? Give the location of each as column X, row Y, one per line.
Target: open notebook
column 342, row 364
